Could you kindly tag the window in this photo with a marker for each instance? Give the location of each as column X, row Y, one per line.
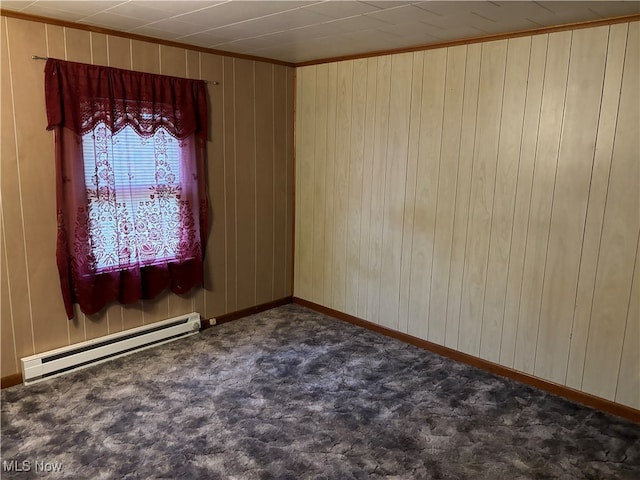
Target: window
column 134, row 193
column 130, row 182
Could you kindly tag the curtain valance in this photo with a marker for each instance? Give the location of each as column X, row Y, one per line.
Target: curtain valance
column 79, row 96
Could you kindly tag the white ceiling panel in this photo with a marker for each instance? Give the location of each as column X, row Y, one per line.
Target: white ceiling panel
column 44, row 11
column 403, row 14
column 274, row 23
column 140, row 10
column 300, row 31
column 78, row 8
column 202, row 39
column 175, row 26
column 113, row 20
column 359, row 22
column 237, row 11
column 342, row 9
column 179, row 7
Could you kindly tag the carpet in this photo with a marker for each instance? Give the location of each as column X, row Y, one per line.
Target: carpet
column 293, row 394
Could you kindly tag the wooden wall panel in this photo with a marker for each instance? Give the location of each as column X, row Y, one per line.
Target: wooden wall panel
column 394, row 187
column 463, row 188
column 426, row 190
column 620, row 231
column 230, row 172
column 282, row 96
column 367, row 177
column 508, row 162
column 320, row 183
column 34, row 148
column 289, row 95
column 575, row 161
column 119, row 52
column 265, row 213
column 99, row 49
column 522, row 202
column 305, row 128
column 446, row 201
column 372, row 281
column 249, row 246
column 12, row 219
column 409, row 191
column 498, row 187
column 216, row 264
column 332, row 90
column 355, row 187
column 483, row 178
column 8, row 358
column 596, row 203
column 549, row 132
column 344, row 114
column 628, row 381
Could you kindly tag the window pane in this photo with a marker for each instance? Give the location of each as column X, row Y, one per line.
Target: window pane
column 133, row 189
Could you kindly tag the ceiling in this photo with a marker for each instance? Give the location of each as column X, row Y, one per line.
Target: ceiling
column 301, row 31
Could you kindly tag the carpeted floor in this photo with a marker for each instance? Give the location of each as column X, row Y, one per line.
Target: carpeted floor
column 292, row 394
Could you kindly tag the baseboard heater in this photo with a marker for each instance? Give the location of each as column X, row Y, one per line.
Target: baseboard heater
column 81, row 355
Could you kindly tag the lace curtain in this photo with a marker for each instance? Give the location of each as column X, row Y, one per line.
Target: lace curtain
column 131, row 191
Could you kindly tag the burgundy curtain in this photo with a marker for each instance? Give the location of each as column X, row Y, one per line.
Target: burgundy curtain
column 126, row 243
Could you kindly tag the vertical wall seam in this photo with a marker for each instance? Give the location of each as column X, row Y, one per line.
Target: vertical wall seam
column 255, row 188
column 473, row 162
column 362, row 147
column 290, row 196
column 311, row 193
column 224, row 190
column 235, row 181
column 273, row 182
column 326, row 188
column 533, row 176
column 336, row 185
column 493, row 199
column 348, row 197
column 513, row 213
column 553, row 195
column 415, row 194
column 435, row 220
column 384, row 188
column 455, row 198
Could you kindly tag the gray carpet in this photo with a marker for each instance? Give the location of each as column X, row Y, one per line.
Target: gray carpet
column 292, row 394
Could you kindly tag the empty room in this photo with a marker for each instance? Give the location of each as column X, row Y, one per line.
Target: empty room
column 320, row 239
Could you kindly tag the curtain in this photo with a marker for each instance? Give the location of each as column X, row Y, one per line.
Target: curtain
column 131, row 194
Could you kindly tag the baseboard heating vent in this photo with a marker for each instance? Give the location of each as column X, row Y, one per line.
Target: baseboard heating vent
column 81, row 355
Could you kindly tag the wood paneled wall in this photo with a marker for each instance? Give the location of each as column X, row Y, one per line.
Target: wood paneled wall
column 248, row 259
column 483, row 197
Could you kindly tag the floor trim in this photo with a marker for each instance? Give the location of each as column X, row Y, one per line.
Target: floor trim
column 263, row 307
column 569, row 393
column 11, row 380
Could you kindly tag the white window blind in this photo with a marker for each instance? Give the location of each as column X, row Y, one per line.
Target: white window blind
column 133, row 189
